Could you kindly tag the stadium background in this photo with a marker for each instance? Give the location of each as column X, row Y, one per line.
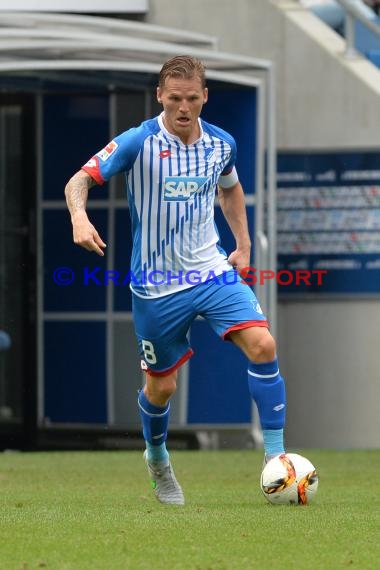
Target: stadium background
column 53, row 385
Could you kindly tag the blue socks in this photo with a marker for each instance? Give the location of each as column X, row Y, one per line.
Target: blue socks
column 273, row 442
column 267, row 388
column 155, row 420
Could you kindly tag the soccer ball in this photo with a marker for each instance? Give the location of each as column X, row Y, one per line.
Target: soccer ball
column 289, row 479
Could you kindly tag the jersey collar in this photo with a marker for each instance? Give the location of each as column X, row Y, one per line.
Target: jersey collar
column 160, row 119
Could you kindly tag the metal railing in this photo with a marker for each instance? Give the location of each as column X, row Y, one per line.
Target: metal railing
column 363, row 13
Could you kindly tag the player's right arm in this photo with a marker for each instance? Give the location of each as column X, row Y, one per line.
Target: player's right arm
column 117, row 156
column 84, row 233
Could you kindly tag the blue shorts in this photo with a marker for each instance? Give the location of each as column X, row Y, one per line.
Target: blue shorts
column 162, row 323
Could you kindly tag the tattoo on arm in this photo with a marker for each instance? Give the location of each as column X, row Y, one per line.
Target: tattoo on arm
column 76, row 191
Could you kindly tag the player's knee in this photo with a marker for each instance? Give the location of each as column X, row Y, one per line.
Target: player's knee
column 166, row 388
column 264, row 349
column 159, row 390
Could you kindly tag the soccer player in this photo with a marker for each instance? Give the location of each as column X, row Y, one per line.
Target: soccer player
column 174, row 164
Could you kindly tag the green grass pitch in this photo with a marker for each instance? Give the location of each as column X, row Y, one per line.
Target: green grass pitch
column 96, row 511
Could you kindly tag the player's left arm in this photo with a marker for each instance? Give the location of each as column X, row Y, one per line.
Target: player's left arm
column 232, row 202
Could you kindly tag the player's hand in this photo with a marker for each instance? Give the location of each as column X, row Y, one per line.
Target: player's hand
column 85, row 234
column 239, row 259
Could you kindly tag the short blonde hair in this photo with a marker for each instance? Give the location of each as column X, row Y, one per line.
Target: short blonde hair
column 183, row 66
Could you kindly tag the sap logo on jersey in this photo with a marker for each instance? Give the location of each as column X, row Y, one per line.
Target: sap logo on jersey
column 182, row 188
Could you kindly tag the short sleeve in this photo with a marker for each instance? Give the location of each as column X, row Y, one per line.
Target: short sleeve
column 119, row 154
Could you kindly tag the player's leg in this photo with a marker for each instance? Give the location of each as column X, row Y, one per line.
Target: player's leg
column 154, row 406
column 154, row 409
column 266, row 385
column 234, row 313
column 161, row 327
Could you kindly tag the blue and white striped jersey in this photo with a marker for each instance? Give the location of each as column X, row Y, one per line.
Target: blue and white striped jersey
column 171, row 191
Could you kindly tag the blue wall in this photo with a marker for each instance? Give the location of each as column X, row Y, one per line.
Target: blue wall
column 74, row 127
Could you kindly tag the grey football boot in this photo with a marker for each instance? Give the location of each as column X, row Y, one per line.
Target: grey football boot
column 164, row 484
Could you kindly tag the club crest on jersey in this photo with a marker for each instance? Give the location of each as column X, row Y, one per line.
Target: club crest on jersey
column 182, row 188
column 209, row 153
column 107, row 150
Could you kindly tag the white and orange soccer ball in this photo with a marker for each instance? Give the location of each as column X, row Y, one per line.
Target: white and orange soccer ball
column 289, row 479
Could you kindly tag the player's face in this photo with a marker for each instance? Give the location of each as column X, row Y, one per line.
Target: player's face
column 182, row 100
